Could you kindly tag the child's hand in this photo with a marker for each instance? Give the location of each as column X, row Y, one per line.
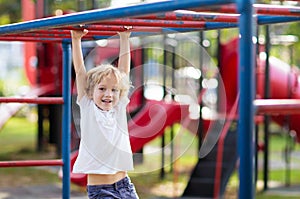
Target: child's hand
column 78, row 34
column 125, row 34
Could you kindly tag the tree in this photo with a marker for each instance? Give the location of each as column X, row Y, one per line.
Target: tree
column 10, row 11
column 294, row 29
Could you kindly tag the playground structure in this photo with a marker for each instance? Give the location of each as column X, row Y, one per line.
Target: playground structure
column 142, row 17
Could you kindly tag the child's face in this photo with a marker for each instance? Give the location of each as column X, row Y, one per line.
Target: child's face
column 107, row 93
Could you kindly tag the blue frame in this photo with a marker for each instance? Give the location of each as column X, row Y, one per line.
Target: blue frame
column 107, row 14
column 245, row 74
column 246, row 107
column 66, row 121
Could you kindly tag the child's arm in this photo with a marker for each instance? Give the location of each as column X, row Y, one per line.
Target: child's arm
column 124, row 54
column 78, row 62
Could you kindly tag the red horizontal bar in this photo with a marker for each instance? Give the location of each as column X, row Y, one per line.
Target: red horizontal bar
column 29, row 39
column 155, row 23
column 59, row 34
column 277, row 10
column 34, row 100
column 263, row 9
column 229, row 8
column 277, row 106
column 55, row 34
column 139, row 25
column 31, row 163
column 115, row 28
column 193, row 16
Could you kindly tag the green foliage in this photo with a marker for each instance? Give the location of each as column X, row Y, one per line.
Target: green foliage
column 1, row 88
column 103, row 3
column 294, row 29
column 71, row 5
column 66, row 6
column 10, row 11
column 229, row 34
column 18, row 135
column 4, row 19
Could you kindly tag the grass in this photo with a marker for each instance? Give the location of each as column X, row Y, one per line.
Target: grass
column 18, row 141
column 25, row 176
column 17, row 135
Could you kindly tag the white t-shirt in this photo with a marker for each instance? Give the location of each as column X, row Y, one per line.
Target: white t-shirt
column 104, row 146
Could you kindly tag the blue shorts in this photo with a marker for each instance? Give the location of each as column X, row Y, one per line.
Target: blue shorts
column 122, row 189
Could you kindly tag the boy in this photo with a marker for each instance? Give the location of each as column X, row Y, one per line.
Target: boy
column 104, row 153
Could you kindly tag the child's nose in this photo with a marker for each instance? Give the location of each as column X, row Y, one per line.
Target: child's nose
column 108, row 92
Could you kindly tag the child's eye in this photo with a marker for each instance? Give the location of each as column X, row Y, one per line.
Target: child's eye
column 102, row 89
column 115, row 90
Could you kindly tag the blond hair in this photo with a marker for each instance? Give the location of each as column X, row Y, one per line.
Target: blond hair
column 96, row 75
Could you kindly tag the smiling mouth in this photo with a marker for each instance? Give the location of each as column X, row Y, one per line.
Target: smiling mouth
column 107, row 101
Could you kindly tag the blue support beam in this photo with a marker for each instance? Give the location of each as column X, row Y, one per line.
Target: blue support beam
column 66, row 120
column 246, row 74
column 264, row 19
column 246, row 108
column 107, row 14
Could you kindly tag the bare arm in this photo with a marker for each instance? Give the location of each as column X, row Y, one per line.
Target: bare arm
column 78, row 62
column 124, row 54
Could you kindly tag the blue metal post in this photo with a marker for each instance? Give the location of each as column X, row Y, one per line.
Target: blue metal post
column 66, row 122
column 246, row 107
column 276, row 19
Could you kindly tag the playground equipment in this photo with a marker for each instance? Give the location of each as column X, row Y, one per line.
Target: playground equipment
column 284, row 83
column 8, row 110
column 211, row 172
column 104, row 23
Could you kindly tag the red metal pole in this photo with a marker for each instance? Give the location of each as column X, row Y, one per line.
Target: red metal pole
column 277, row 10
column 34, row 100
column 277, row 106
column 115, row 28
column 29, row 39
column 155, row 23
column 262, row 9
column 108, row 28
column 28, row 13
column 59, row 34
column 94, row 30
column 194, row 16
column 31, row 163
column 229, row 8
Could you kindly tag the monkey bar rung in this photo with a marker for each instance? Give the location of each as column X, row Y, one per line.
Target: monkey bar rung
column 31, row 163
column 277, row 106
column 32, row 100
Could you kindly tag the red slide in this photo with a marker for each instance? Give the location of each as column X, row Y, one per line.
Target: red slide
column 152, row 120
column 284, row 81
column 146, row 125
